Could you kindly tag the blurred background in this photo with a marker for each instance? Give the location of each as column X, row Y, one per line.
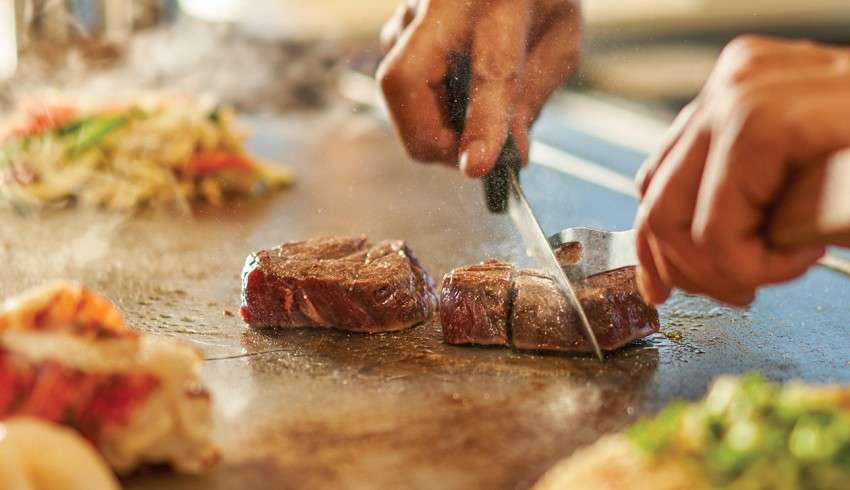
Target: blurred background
column 642, row 61
column 652, row 51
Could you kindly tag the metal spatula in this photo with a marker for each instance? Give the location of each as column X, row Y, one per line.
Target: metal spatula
column 597, row 250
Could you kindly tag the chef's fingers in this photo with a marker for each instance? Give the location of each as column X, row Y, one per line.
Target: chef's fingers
column 498, row 56
column 668, row 205
column 751, row 163
column 662, row 266
column 674, row 133
column 393, row 28
column 658, row 275
column 675, row 277
column 665, row 218
column 746, row 59
column 751, row 57
column 650, row 285
column 411, row 77
column 780, row 266
column 740, row 251
column 552, row 59
column 695, row 274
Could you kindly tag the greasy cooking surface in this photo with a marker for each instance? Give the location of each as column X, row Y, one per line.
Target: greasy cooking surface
column 311, row 409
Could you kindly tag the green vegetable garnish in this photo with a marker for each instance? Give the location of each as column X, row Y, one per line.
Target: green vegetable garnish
column 215, row 115
column 90, row 132
column 749, row 433
column 73, row 126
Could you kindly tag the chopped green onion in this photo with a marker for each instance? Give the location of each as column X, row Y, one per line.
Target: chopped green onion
column 93, row 131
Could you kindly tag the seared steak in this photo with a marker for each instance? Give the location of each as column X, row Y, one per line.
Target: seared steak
column 475, row 304
column 542, row 319
column 478, row 307
column 339, row 282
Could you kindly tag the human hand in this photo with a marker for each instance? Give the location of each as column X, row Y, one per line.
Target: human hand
column 520, row 52
column 770, row 107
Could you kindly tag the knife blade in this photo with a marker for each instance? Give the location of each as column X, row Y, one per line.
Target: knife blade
column 502, row 191
column 537, row 246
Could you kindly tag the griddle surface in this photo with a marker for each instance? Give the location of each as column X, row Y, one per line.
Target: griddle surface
column 328, row 409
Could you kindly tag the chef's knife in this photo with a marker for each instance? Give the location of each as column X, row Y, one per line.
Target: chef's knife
column 539, row 248
column 497, row 182
column 503, row 192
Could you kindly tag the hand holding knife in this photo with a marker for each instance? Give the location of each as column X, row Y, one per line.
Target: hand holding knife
column 502, row 192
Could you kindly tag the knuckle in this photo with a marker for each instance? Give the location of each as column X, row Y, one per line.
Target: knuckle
column 744, row 111
column 742, row 71
column 387, row 77
column 744, row 45
column 754, row 120
column 741, row 59
column 390, row 77
column 489, row 69
column 390, row 30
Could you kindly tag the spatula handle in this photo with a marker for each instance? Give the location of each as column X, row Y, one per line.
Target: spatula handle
column 497, row 182
column 815, row 209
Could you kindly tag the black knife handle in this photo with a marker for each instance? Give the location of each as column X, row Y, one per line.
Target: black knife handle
column 497, row 182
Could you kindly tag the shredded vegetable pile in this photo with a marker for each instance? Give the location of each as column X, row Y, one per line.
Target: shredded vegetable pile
column 750, row 434
column 171, row 152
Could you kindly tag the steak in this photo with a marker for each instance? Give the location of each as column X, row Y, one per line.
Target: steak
column 495, row 303
column 475, row 304
column 541, row 318
column 337, row 282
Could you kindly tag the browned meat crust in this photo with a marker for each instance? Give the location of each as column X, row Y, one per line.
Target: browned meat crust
column 340, row 282
column 475, row 304
column 492, row 303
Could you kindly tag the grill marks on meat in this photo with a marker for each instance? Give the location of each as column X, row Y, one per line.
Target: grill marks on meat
column 339, row 282
column 535, row 316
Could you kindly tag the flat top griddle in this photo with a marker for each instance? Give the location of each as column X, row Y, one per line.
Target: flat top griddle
column 316, row 409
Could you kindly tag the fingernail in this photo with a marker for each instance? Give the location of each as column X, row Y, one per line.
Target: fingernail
column 471, row 160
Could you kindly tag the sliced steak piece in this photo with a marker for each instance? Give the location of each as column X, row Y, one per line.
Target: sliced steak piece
column 475, row 304
column 494, row 303
column 542, row 319
column 339, row 282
